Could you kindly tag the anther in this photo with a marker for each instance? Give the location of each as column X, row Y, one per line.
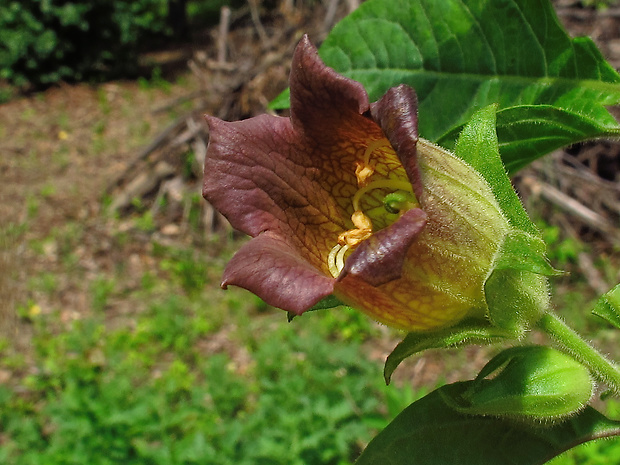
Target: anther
column 364, row 169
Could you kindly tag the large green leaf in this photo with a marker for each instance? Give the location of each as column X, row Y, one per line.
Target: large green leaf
column 462, row 55
column 528, row 131
column 428, row 432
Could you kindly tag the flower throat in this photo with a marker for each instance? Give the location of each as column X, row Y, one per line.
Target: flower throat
column 398, row 197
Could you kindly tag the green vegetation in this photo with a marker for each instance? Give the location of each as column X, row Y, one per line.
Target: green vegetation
column 191, row 379
column 165, row 368
column 48, row 41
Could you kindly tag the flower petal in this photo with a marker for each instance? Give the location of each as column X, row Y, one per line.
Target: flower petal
column 274, row 271
column 296, row 177
column 321, row 95
column 397, row 114
column 379, row 259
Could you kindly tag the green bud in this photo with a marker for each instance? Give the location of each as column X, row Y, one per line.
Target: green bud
column 531, row 383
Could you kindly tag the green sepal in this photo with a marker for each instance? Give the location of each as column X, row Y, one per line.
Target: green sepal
column 608, row 306
column 478, row 146
column 325, row 303
column 516, row 299
column 524, row 252
column 426, row 432
column 466, row 332
column 531, row 383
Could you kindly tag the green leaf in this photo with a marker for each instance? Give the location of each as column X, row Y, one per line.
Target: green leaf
column 328, row 302
column 462, row 55
column 429, row 432
column 608, row 306
column 527, row 131
column 466, row 332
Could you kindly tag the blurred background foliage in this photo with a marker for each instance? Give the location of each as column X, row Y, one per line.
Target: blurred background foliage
column 46, row 41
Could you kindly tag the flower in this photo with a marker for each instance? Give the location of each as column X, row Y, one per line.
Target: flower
column 344, row 198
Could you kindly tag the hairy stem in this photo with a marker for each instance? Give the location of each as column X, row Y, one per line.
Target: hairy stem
column 602, row 368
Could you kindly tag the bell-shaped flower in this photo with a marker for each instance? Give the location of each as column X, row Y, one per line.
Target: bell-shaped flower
column 342, row 198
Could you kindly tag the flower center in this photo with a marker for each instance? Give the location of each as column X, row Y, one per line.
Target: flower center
column 386, row 199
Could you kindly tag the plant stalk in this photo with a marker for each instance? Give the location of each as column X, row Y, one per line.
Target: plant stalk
column 602, row 368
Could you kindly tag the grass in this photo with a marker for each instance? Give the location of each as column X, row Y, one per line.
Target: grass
column 194, row 374
column 201, row 376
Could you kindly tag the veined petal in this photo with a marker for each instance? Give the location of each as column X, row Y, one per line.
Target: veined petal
column 379, row 259
column 276, row 272
column 295, row 177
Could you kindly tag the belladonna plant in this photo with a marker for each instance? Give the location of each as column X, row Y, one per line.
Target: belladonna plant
column 347, row 205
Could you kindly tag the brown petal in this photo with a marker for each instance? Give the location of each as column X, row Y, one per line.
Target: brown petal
column 379, row 259
column 275, row 272
column 319, row 95
column 397, row 114
column 294, row 177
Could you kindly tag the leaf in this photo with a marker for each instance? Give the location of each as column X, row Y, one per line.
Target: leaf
column 608, row 306
column 527, row 131
column 428, row 432
column 462, row 55
column 464, row 332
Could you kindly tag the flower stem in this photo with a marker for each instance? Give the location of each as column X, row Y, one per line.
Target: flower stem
column 602, row 368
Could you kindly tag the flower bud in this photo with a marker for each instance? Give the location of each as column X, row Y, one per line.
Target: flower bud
column 530, row 383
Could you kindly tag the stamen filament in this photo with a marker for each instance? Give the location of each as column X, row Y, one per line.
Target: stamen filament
column 374, row 145
column 340, row 258
column 331, row 260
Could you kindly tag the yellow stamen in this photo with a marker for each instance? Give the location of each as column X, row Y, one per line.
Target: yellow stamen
column 331, row 261
column 363, row 227
column 353, row 237
column 364, row 170
column 362, row 173
column 340, row 258
column 361, row 221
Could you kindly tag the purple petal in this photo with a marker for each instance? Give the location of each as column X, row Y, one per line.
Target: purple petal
column 319, row 95
column 397, row 114
column 379, row 259
column 274, row 271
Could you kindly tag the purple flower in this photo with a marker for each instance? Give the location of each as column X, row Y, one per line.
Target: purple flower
column 343, row 198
